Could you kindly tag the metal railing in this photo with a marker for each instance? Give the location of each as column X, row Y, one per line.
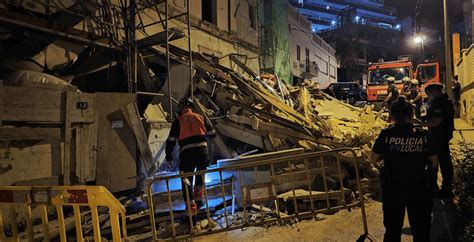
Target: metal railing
column 15, row 200
column 265, row 181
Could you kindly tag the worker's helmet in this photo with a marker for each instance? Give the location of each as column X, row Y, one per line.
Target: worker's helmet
column 391, row 79
column 406, row 80
column 414, row 82
column 185, row 103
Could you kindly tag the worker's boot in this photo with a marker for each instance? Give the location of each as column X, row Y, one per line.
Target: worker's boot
column 199, row 196
column 194, row 208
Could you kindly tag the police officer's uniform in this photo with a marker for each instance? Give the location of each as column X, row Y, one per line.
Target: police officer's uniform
column 406, row 176
column 442, row 107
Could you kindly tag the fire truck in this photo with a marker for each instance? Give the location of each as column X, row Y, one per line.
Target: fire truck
column 426, row 73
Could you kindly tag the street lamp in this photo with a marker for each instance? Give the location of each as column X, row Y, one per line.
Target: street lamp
column 420, row 39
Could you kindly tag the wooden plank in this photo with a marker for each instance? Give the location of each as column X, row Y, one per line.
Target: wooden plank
column 116, row 145
column 52, row 134
column 67, row 141
column 44, row 105
column 242, row 65
column 244, row 135
column 32, row 104
column 133, row 118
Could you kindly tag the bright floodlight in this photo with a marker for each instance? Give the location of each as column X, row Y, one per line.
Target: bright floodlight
column 333, row 22
column 357, row 18
column 418, row 39
column 398, row 26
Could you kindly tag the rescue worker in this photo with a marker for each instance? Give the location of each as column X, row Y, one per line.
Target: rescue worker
column 408, row 162
column 415, row 97
column 440, row 123
column 392, row 93
column 406, row 86
column 190, row 130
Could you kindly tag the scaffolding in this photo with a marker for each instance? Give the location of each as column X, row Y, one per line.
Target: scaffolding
column 155, row 39
column 114, row 25
column 274, row 39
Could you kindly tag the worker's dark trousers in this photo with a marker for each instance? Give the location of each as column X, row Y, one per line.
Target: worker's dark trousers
column 191, row 160
column 418, row 201
column 446, row 166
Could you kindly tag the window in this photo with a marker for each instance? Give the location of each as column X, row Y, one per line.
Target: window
column 426, row 73
column 298, row 54
column 252, row 17
column 209, row 11
column 307, row 59
column 332, row 71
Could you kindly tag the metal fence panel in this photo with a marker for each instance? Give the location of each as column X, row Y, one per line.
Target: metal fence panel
column 297, row 170
column 13, row 198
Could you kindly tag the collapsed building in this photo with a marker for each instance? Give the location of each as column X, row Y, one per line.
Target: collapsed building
column 87, row 99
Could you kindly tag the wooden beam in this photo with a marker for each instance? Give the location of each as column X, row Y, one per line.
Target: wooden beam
column 133, row 118
column 159, row 38
column 67, row 142
column 244, row 135
column 37, row 24
column 242, row 65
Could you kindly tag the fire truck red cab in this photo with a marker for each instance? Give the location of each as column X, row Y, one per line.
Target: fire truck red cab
column 380, row 72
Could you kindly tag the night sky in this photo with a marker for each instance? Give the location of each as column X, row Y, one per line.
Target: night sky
column 432, row 11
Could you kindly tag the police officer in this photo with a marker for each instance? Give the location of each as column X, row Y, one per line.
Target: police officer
column 392, row 93
column 408, row 161
column 406, row 86
column 440, row 123
column 190, row 130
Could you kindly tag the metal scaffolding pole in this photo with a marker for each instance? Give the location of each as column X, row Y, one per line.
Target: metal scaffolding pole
column 131, row 58
column 168, row 69
column 447, row 51
column 190, row 50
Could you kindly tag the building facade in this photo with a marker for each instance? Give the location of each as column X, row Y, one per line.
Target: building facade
column 468, row 8
column 219, row 28
column 361, row 31
column 311, row 57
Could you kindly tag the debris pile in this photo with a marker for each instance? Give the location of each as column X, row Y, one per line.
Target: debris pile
column 251, row 111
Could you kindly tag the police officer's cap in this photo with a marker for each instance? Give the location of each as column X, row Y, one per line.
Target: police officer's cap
column 434, row 87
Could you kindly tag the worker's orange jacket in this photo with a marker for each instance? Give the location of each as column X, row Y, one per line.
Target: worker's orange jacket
column 190, row 130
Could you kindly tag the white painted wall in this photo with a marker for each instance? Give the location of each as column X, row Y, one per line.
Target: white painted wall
column 320, row 51
column 211, row 43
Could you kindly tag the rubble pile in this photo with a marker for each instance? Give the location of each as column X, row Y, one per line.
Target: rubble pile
column 251, row 111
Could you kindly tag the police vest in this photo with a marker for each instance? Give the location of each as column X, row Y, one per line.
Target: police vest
column 190, row 124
